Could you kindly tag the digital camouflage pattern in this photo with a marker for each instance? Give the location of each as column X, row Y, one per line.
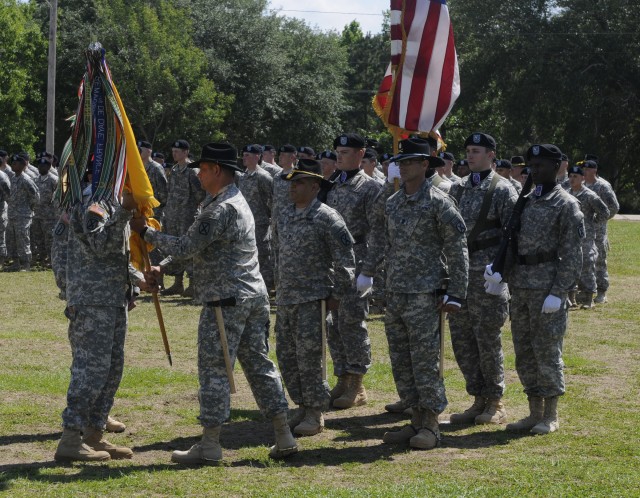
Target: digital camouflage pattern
column 160, row 186
column 475, row 329
column 59, row 242
column 550, row 224
column 273, row 169
column 604, row 190
column 5, row 193
column 44, row 215
column 281, row 198
column 419, row 230
column 593, row 208
column 22, row 201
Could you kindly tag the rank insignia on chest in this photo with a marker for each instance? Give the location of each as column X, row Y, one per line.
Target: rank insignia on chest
column 204, row 228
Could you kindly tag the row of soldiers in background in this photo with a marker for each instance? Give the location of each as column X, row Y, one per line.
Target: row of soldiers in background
column 27, row 215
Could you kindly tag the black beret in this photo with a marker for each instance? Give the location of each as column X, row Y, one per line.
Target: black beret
column 25, row 155
column 525, row 171
column 372, row 142
column 44, row 153
column 159, row 155
column 306, row 150
column 181, row 144
column 548, row 151
column 18, row 158
column 517, row 161
column 564, row 157
column 268, row 148
column 287, row 148
column 370, row 154
column 481, row 139
column 590, row 164
column 328, row 154
column 43, row 161
column 503, row 163
column 352, row 140
column 448, row 156
column 462, row 162
column 591, row 157
column 433, row 142
column 3, row 153
column 144, row 144
column 577, row 170
column 252, row 149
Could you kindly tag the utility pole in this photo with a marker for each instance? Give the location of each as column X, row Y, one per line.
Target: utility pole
column 51, row 78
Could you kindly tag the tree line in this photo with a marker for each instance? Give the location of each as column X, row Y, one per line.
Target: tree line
column 563, row 71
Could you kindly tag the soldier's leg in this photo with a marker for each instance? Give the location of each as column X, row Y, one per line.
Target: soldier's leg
column 465, row 349
column 602, row 274
column 3, row 243
column 286, row 350
column 525, row 304
column 264, row 255
column 261, row 373
column 352, row 326
column 37, row 239
column 91, row 339
column 23, row 240
column 547, row 340
column 315, row 390
column 336, row 347
column 400, row 354
column 104, row 402
column 49, row 225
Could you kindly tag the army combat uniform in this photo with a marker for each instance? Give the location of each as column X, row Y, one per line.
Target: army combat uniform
column 307, row 246
column 5, row 193
column 23, row 200
column 257, row 188
column 159, row 183
column 44, row 216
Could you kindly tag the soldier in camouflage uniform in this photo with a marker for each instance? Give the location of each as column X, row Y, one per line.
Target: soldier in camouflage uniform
column 287, row 160
column 256, row 185
column 157, row 178
column 604, row 190
column 356, row 197
column 98, row 277
column 22, row 201
column 222, row 243
column 268, row 162
column 328, row 159
column 184, row 196
column 422, row 224
column 503, row 168
column 45, row 213
column 593, row 208
column 475, row 330
column 547, row 265
column 447, row 171
column 563, row 175
column 5, row 193
column 312, row 247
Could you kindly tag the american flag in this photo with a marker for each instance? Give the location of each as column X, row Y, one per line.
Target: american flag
column 422, row 81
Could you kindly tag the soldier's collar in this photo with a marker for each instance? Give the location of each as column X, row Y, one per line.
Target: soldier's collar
column 543, row 189
column 476, row 177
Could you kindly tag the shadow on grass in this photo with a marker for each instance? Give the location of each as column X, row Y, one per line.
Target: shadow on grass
column 29, row 438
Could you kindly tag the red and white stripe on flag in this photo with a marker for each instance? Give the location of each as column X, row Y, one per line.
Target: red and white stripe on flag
column 424, row 78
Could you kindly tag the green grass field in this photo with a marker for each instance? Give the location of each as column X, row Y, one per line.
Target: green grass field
column 595, row 452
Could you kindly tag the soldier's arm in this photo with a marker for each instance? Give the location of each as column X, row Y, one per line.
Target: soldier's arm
column 374, row 211
column 5, row 186
column 104, row 232
column 599, row 208
column 34, row 195
column 206, row 229
column 569, row 249
column 266, row 191
column 196, row 186
column 344, row 263
column 610, row 199
column 452, row 230
column 275, row 250
column 163, row 190
column 507, row 197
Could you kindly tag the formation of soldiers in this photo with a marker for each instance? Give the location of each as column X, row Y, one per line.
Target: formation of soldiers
column 326, row 233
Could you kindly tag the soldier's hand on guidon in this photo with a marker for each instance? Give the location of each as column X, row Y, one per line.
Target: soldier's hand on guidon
column 551, row 304
column 491, row 276
column 364, row 284
column 449, row 304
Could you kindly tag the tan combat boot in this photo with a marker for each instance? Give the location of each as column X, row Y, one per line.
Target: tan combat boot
column 601, row 297
column 285, row 442
column 407, row 432
column 176, row 288
column 312, row 424
column 494, row 413
column 207, row 452
column 549, row 423
column 469, row 415
column 536, row 407
column 354, row 395
column 428, row 436
column 297, row 417
column 72, row 449
column 339, row 388
column 114, row 425
column 397, row 407
column 94, row 438
column 572, row 300
column 588, row 301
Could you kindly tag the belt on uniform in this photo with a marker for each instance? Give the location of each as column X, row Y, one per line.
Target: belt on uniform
column 537, row 259
column 479, row 245
column 228, row 301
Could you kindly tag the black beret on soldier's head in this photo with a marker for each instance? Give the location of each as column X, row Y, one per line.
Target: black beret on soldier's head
column 306, row 150
column 180, row 144
column 590, row 164
column 351, row 140
column 288, row 148
column 158, row 155
column 564, row 157
column 447, row 156
column 3, row 153
column 503, row 163
column 370, row 154
column 576, row 170
column 144, row 144
column 252, row 149
column 547, row 151
column 268, row 148
column 481, row 139
column 328, row 154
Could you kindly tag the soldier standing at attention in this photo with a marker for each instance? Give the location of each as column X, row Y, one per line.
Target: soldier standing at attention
column 503, row 168
column 546, row 268
column 447, row 170
column 97, row 277
column 22, row 201
column 355, row 195
column 5, row 192
column 184, row 195
column 157, row 178
column 287, row 160
column 268, row 162
column 312, row 247
column 45, row 213
column 256, row 185
column 593, row 208
column 485, row 200
column 328, row 160
column 222, row 243
column 421, row 225
column 604, row 190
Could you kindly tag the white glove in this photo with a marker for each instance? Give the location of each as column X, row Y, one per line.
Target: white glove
column 495, row 289
column 551, row 304
column 364, row 284
column 446, row 301
column 491, row 276
column 393, row 172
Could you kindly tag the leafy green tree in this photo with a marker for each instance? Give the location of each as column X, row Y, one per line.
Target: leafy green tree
column 23, row 59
